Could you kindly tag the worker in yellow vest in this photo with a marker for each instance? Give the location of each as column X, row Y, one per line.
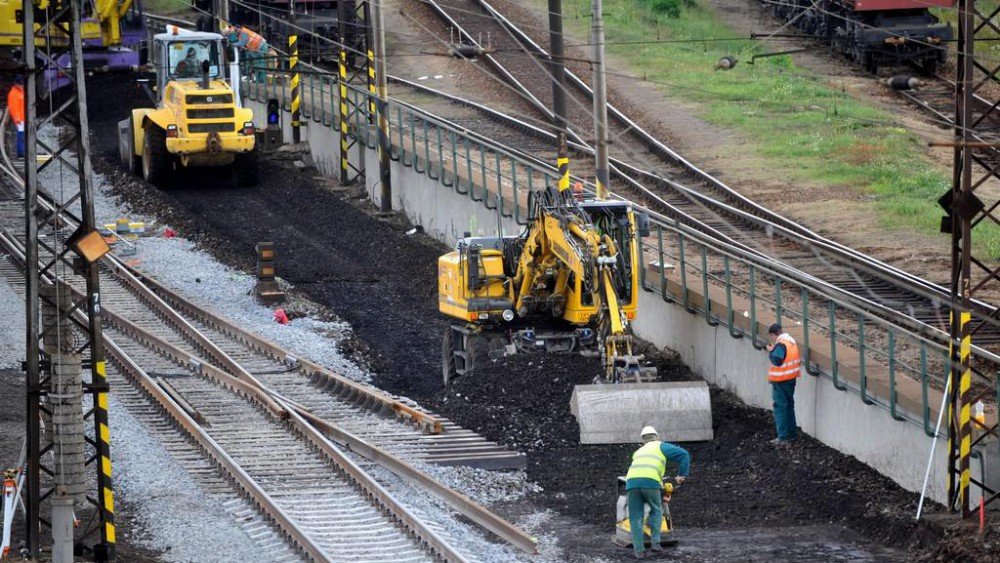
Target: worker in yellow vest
column 785, row 368
column 644, row 484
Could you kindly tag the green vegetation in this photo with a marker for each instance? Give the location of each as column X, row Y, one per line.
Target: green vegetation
column 802, row 128
column 167, row 7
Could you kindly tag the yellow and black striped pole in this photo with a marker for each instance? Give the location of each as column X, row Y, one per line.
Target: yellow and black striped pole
column 344, row 141
column 372, row 87
column 562, row 164
column 964, row 410
column 293, row 64
column 104, row 480
column 965, row 415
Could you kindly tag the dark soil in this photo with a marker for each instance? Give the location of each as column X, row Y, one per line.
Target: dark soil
column 372, row 274
column 737, row 479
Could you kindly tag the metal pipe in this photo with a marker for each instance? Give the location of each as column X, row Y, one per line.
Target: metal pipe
column 600, row 100
column 557, row 67
column 382, row 105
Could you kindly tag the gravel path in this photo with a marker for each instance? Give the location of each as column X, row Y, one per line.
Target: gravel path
column 12, row 336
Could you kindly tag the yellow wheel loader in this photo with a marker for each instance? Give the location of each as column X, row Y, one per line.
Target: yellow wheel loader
column 568, row 283
column 198, row 120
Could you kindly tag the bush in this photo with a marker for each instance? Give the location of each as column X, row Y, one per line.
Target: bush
column 667, row 8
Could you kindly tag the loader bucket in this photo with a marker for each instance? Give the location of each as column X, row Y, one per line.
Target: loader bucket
column 614, row 413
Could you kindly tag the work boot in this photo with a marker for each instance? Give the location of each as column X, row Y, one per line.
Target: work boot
column 655, row 548
column 779, row 443
column 640, row 554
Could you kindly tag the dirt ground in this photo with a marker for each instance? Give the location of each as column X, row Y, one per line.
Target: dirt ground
column 820, row 505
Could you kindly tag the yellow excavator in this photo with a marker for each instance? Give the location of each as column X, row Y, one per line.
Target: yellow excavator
column 568, row 283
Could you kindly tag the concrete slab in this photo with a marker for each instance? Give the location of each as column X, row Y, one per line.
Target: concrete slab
column 614, row 414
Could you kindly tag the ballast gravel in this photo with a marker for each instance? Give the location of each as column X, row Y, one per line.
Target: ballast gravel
column 12, row 336
column 179, row 521
column 171, row 515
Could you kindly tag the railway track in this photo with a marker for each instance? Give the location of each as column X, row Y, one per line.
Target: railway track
column 681, row 191
column 269, row 422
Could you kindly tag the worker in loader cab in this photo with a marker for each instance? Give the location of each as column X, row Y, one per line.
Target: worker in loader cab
column 188, row 66
column 15, row 105
column 644, row 483
column 785, row 368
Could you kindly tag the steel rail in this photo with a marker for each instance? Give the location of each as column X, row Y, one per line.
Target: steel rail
column 765, row 213
column 267, row 396
column 182, row 418
column 279, row 410
column 246, row 384
column 734, row 249
column 360, row 393
column 468, row 507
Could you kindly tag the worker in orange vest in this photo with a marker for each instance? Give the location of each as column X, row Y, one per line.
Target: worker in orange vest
column 15, row 105
column 260, row 55
column 785, row 368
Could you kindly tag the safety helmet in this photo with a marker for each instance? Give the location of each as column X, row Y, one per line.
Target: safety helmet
column 647, row 431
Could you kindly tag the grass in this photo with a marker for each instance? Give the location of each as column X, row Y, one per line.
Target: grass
column 163, row 7
column 801, row 127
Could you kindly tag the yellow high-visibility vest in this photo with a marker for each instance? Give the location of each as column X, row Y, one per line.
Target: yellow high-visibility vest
column 648, row 462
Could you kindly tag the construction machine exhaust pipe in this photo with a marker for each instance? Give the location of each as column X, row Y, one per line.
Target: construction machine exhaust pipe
column 204, row 75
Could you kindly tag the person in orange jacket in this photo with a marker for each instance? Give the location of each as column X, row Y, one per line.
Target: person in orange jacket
column 15, row 105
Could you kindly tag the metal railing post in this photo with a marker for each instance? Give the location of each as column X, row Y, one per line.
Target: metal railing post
column 861, row 360
column 834, row 367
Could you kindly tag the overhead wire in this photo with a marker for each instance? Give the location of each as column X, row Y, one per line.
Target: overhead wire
column 489, row 74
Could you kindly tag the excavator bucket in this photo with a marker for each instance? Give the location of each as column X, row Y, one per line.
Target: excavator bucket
column 680, row 411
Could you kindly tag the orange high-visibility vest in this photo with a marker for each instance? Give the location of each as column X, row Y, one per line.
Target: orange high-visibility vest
column 15, row 104
column 791, row 367
column 253, row 40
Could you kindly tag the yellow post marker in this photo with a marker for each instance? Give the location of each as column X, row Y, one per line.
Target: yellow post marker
column 293, row 68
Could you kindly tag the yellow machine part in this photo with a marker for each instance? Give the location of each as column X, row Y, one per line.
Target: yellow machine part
column 626, row 526
column 175, row 111
column 453, row 291
column 105, row 24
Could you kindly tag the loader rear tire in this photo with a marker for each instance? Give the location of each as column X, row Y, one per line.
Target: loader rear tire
column 156, row 161
column 246, row 169
column 448, row 372
column 126, row 152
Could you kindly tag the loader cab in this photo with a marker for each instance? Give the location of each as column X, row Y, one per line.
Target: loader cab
column 185, row 58
column 180, row 56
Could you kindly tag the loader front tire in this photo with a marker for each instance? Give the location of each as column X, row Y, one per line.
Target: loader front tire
column 156, row 161
column 246, row 169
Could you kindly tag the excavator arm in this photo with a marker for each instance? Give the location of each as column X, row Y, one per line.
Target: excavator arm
column 110, row 13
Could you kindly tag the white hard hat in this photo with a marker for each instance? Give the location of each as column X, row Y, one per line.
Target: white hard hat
column 646, row 431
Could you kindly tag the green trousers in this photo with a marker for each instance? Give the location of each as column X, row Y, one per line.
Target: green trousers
column 637, row 501
column 783, row 394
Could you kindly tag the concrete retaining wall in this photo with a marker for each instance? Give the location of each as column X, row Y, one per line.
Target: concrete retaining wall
column 839, row 419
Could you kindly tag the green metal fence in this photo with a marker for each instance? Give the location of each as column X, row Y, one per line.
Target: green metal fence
column 860, row 352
